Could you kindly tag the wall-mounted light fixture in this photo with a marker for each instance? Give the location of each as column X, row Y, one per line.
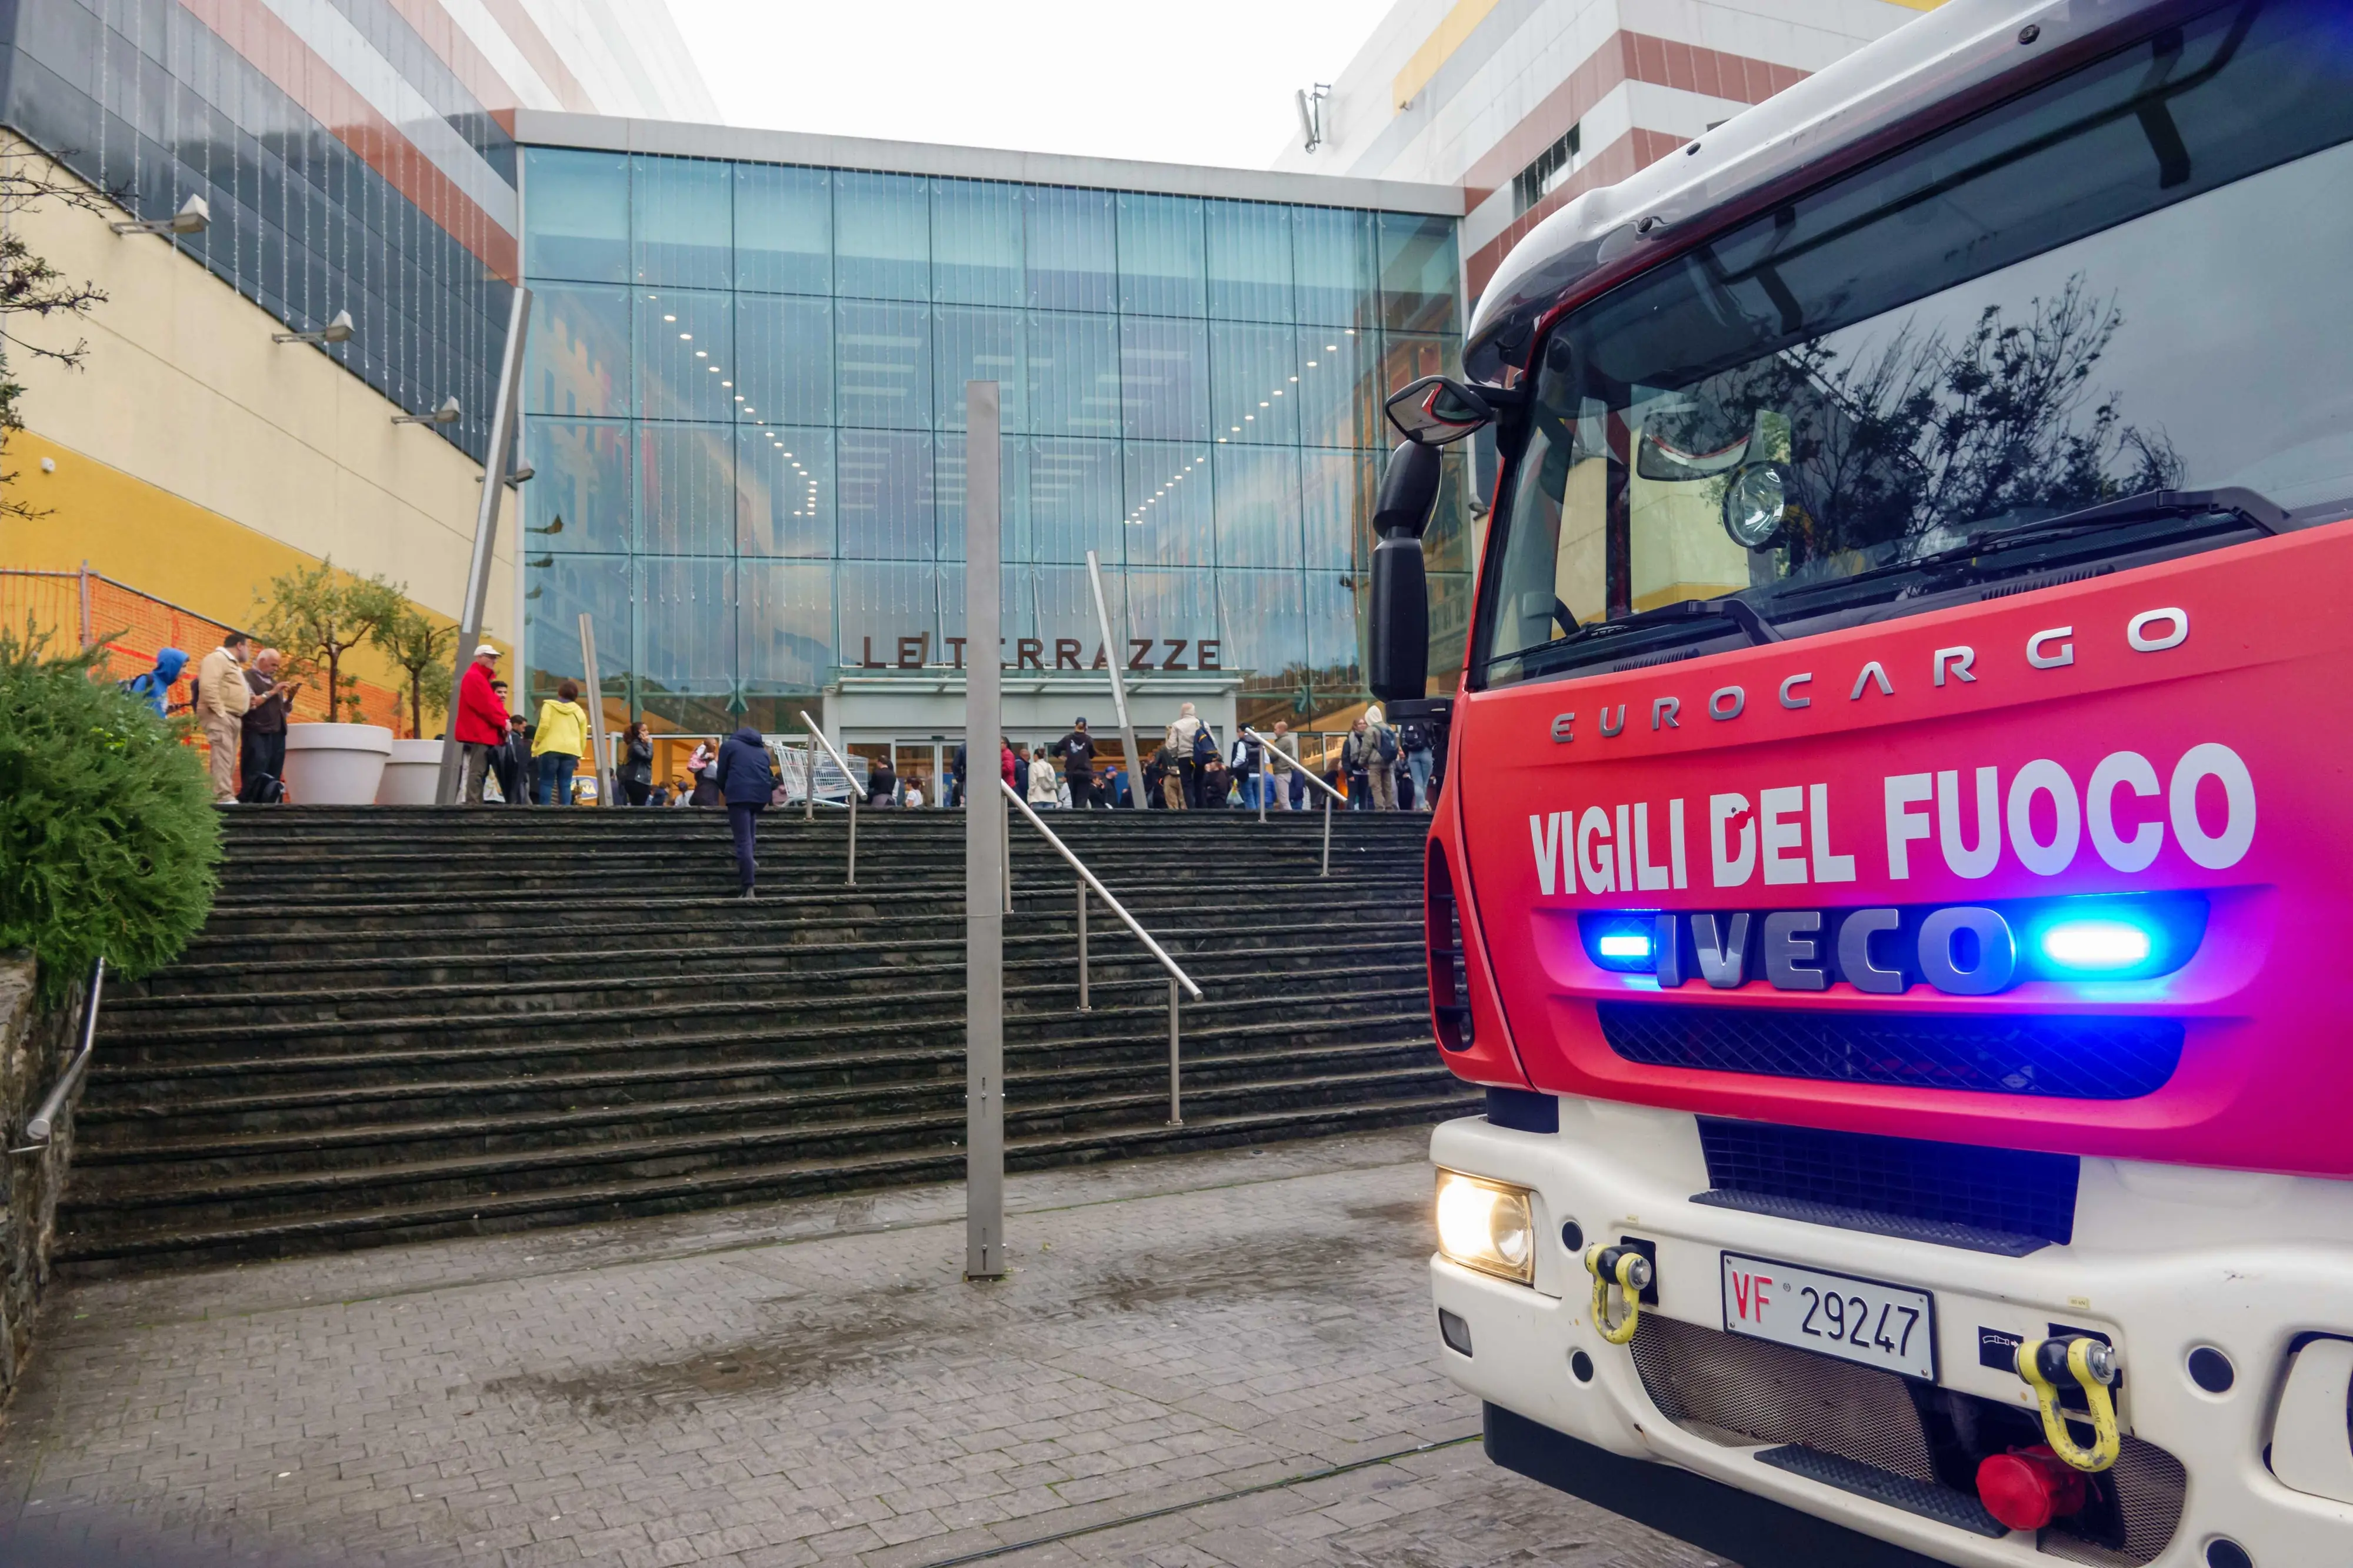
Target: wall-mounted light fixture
column 1311, row 113
column 338, row 330
column 555, row 526
column 523, row 476
column 193, row 217
column 448, row 413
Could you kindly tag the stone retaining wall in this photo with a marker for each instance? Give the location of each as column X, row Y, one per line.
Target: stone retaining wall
column 34, row 1049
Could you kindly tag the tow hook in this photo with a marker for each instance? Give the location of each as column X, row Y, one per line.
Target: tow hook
column 2092, row 1365
column 1627, row 1270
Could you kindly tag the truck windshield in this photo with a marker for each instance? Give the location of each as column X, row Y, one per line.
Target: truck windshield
column 2133, row 279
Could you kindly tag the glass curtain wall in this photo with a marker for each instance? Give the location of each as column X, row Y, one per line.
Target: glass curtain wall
column 745, row 398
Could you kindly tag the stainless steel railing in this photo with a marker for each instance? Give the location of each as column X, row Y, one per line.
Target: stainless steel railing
column 843, row 763
column 1176, row 976
column 1266, row 747
column 37, row 1130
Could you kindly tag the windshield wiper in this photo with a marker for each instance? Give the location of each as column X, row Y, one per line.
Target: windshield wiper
column 1684, row 615
column 2252, row 508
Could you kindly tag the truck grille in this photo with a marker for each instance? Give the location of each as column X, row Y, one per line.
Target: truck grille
column 1956, row 1195
column 2059, row 1057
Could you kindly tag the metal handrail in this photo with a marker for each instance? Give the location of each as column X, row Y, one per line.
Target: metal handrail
column 37, row 1130
column 843, row 763
column 1176, row 976
column 1298, row 765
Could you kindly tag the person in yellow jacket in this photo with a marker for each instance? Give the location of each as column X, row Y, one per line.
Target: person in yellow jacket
column 556, row 745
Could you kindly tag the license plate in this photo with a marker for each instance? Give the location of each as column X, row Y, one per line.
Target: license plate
column 1887, row 1326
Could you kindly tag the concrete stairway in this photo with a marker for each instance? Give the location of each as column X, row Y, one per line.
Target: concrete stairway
column 403, row 1023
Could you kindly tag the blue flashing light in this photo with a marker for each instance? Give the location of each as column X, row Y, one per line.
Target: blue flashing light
column 1622, row 940
column 2101, row 946
column 1625, row 944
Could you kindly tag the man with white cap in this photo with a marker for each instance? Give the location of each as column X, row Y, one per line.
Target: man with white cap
column 481, row 726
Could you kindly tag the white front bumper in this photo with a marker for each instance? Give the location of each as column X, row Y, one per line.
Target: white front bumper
column 2164, row 1260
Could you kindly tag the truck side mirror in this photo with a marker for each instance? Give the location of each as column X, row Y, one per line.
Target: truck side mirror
column 1397, row 659
column 1435, row 410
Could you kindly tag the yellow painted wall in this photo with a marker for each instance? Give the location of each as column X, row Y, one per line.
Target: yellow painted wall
column 1438, row 48
column 196, row 460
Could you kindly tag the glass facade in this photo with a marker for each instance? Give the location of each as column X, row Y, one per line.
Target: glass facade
column 149, row 104
column 745, row 403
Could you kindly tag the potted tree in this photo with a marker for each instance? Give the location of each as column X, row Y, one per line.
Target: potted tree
column 316, row 617
column 411, row 640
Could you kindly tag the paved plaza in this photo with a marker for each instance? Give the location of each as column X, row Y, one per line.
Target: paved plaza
column 1208, row 1359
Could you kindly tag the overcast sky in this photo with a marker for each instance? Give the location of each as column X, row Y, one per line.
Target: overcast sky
column 1204, row 82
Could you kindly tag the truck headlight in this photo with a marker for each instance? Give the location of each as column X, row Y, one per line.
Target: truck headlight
column 1486, row 1226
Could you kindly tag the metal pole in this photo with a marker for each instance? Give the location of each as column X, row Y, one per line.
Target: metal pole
column 1084, row 1006
column 1005, row 846
column 816, row 738
column 486, row 539
column 850, row 881
column 595, row 708
column 984, row 846
column 1262, row 776
column 1176, row 1098
column 1118, row 686
column 808, row 782
column 1327, row 837
column 86, row 632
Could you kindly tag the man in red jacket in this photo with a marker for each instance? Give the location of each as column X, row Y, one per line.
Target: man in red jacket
column 481, row 719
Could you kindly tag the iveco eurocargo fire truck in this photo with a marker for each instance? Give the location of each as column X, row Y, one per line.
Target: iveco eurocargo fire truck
column 1893, row 870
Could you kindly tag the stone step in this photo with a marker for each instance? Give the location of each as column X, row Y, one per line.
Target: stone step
column 167, row 1244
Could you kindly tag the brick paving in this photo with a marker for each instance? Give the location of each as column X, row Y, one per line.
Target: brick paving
column 804, row 1383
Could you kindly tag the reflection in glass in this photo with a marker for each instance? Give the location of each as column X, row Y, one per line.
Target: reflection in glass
column 1062, row 612
column 1338, row 405
column 1419, row 274
column 1250, row 261
column 686, row 618
column 1337, row 491
column 1012, row 474
column 1162, row 267
column 1171, row 513
column 786, row 349
column 883, row 364
column 977, row 242
column 784, row 230
column 1167, row 603
column 556, row 589
column 1406, row 359
column 1266, row 635
column 1253, row 384
column 576, row 359
column 1450, row 630
column 685, row 353
column 1334, row 651
column 579, row 217
column 1076, row 500
column 1073, row 250
column 783, row 625
column 582, row 485
column 1258, row 506
column 682, row 223
column 1014, row 619
column 1163, row 375
column 686, row 489
column 883, row 229
column 884, row 601
column 885, row 508
column 784, row 491
column 1074, row 374
column 977, row 345
column 1332, row 252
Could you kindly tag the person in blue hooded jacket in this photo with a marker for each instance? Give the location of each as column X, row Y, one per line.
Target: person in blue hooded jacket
column 747, row 777
column 154, row 688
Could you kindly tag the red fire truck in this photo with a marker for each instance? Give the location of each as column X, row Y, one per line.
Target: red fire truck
column 1892, row 875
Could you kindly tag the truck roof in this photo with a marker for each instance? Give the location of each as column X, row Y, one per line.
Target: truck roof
column 1964, row 53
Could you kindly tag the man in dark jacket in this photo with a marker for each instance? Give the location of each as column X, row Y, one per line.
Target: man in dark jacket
column 1077, row 751
column 264, row 751
column 747, row 777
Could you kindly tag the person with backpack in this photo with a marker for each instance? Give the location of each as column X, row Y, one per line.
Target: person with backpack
column 1248, row 768
column 1194, row 747
column 1358, row 752
column 154, row 688
column 1382, row 769
column 1413, row 737
column 747, row 777
column 1045, row 789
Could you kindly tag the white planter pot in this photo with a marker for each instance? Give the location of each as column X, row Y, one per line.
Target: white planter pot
column 335, row 764
column 411, row 774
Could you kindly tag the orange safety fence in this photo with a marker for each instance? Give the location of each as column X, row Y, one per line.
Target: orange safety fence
column 76, row 608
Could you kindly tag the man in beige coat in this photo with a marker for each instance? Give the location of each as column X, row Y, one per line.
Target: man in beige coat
column 222, row 698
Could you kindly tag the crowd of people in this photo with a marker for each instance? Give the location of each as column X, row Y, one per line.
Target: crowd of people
column 241, row 705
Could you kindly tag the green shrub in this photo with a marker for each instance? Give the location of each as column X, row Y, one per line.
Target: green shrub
column 108, row 834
